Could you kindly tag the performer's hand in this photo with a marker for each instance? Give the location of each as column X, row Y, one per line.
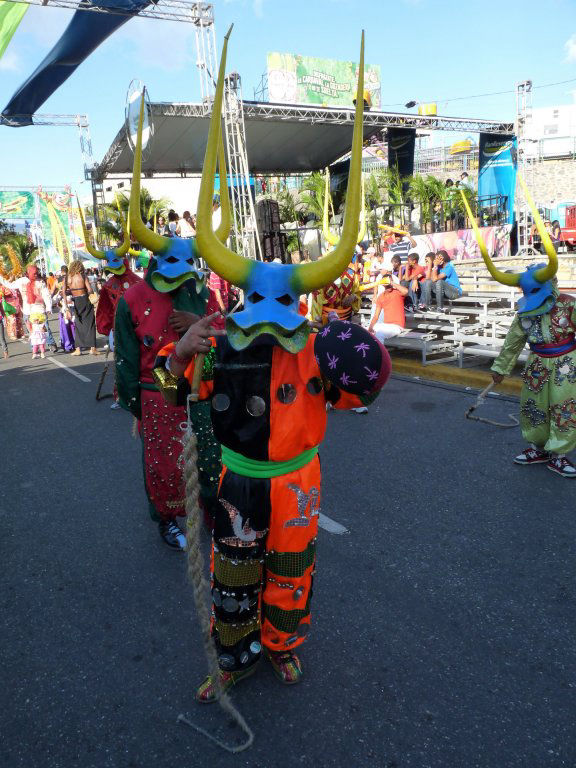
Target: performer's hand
column 181, row 321
column 197, row 338
column 497, row 378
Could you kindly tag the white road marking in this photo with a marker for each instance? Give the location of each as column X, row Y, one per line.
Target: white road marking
column 66, row 368
column 330, row 525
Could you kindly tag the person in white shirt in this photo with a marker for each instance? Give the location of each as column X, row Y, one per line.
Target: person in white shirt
column 186, row 228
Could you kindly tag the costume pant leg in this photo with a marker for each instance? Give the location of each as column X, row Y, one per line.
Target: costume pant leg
column 534, row 402
column 264, row 553
column 562, row 387
column 162, row 443
column 290, row 557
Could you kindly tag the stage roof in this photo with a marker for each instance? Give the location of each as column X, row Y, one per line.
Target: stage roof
column 280, row 139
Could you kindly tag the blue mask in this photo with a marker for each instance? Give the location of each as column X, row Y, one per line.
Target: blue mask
column 538, row 297
column 175, row 265
column 270, row 307
column 114, row 263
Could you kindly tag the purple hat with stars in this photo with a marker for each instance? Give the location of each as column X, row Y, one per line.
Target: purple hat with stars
column 351, row 358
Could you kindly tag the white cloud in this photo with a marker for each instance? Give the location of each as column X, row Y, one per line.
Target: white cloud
column 10, row 62
column 570, row 48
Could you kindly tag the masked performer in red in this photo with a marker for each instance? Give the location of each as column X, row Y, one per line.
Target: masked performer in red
column 271, row 384
column 152, row 313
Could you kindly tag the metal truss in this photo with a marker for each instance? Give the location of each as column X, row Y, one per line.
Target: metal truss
column 170, row 10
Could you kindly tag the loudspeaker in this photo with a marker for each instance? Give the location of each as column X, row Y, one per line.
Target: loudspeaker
column 268, row 216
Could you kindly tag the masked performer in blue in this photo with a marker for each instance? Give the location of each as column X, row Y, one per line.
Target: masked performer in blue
column 151, row 314
column 272, row 380
column 546, row 321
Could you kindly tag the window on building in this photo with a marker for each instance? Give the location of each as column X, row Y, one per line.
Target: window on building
column 550, row 130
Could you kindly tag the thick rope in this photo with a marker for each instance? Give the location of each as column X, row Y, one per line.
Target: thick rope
column 480, row 401
column 201, row 589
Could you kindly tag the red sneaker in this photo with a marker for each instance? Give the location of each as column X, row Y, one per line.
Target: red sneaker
column 532, row 456
column 562, row 466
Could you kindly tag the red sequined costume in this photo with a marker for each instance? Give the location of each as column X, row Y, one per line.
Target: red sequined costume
column 110, row 294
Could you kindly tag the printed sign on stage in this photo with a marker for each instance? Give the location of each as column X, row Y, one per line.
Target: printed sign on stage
column 295, row 79
column 461, row 244
column 497, row 168
column 16, row 204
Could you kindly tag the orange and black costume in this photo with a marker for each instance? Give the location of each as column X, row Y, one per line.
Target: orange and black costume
column 268, row 409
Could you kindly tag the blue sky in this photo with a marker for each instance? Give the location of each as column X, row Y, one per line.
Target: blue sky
column 429, row 50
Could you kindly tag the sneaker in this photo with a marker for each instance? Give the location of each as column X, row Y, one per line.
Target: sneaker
column 362, row 409
column 422, row 308
column 562, row 466
column 286, row 666
column 76, row 352
column 42, row 355
column 206, row 692
column 34, row 357
column 114, row 406
column 94, row 351
column 53, row 348
column 172, row 535
column 532, row 456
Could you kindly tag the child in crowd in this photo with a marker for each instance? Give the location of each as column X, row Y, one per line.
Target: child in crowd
column 38, row 335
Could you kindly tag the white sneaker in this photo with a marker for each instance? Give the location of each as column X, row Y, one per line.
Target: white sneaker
column 114, row 406
column 562, row 466
column 362, row 409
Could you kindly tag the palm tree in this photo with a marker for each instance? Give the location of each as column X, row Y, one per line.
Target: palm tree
column 17, row 253
column 420, row 194
column 311, row 196
column 111, row 228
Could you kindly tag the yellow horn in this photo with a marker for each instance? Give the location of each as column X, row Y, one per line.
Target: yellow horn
column 222, row 260
column 501, row 277
column 362, row 230
column 154, row 242
column 92, row 251
column 122, row 250
column 329, row 237
column 310, row 277
column 546, row 273
column 223, row 230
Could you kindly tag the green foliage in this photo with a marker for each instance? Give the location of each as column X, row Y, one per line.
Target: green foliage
column 110, row 229
column 16, row 253
column 311, row 196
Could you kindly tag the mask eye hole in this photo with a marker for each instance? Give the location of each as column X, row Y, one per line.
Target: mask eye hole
column 190, row 261
column 286, row 300
column 255, row 297
column 171, row 260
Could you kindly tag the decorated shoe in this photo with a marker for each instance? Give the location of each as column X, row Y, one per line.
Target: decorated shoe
column 172, row 535
column 532, row 456
column 562, row 466
column 286, row 666
column 206, row 692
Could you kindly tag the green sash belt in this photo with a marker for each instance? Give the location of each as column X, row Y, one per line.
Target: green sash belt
column 242, row 465
column 148, row 386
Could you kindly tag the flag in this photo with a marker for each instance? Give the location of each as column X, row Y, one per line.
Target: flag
column 85, row 32
column 11, row 15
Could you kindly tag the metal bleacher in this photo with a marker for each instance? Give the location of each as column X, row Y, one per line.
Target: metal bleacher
column 472, row 327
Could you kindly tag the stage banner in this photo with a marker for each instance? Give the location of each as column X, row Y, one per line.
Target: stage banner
column 16, row 204
column 497, row 167
column 11, row 15
column 401, row 146
column 461, row 244
column 295, row 79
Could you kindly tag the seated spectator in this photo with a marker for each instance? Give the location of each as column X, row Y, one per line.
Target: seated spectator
column 443, row 282
column 412, row 276
column 401, row 246
column 390, row 303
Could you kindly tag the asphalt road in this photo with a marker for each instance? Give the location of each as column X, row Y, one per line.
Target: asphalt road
column 443, row 622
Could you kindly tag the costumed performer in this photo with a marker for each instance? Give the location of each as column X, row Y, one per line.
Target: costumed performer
column 271, row 384
column 152, row 313
column 546, row 320
column 120, row 279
